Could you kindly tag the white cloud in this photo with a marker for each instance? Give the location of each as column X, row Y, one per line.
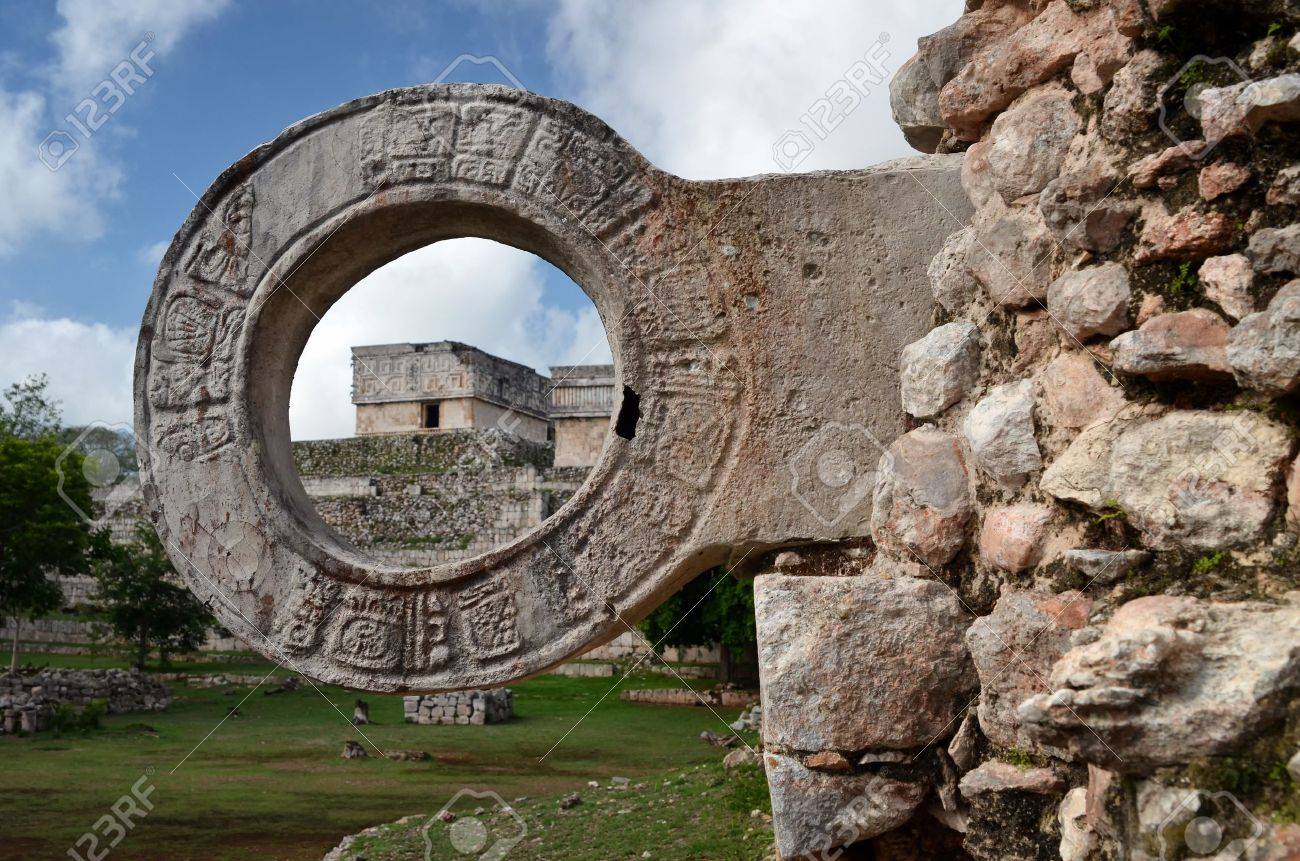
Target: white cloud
column 37, row 199
column 89, row 364
column 94, row 37
column 152, row 254
column 98, row 34
column 706, row 90
column 469, row 290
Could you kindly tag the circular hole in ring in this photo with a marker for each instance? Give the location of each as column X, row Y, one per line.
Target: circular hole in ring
column 450, row 402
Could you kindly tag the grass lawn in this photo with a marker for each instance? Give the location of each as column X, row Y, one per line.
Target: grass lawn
column 696, row 812
column 269, row 781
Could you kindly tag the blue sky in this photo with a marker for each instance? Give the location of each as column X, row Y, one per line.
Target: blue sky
column 704, row 90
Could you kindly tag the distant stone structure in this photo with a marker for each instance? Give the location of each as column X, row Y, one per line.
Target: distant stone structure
column 445, row 385
column 581, row 402
column 425, row 498
column 28, row 702
column 461, row 707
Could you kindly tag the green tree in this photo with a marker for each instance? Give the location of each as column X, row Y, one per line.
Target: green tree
column 98, row 441
column 40, row 533
column 141, row 601
column 713, row 608
column 28, row 411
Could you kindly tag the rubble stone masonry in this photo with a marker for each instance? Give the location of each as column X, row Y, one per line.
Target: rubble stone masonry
column 1076, row 634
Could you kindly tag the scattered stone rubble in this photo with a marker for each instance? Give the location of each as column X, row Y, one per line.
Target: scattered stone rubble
column 1084, row 591
column 720, row 696
column 750, row 719
column 460, row 707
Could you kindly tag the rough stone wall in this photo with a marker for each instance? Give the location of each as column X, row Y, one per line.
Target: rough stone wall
column 393, row 454
column 629, row 645
column 1076, row 632
column 28, row 702
column 579, row 441
column 461, row 707
column 431, row 498
column 53, row 630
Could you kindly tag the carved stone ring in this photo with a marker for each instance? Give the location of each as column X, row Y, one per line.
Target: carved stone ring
column 755, row 326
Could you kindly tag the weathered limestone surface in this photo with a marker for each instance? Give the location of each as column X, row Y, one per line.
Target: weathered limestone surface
column 938, row 370
column 1104, row 566
column 1276, row 249
column 873, row 663
column 739, row 377
column 1092, row 301
column 994, row 776
column 1285, row 189
column 1014, row 257
column 1194, row 479
column 1186, row 345
column 1000, row 432
column 1012, row 537
column 1010, row 66
column 922, row 497
column 1264, row 348
column 1171, row 679
column 1014, row 649
column 1081, row 212
column 951, row 280
column 1243, row 108
column 1216, row 180
column 1075, row 393
column 1227, row 281
column 1029, row 140
column 814, row 812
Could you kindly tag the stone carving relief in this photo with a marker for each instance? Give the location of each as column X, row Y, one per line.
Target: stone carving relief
column 221, row 255
column 729, row 361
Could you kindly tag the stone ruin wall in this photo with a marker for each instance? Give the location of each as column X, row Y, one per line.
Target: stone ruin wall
column 421, row 499
column 460, row 707
column 1076, row 633
column 28, row 703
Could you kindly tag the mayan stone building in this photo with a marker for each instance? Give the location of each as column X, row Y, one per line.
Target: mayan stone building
column 444, row 385
column 581, row 401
